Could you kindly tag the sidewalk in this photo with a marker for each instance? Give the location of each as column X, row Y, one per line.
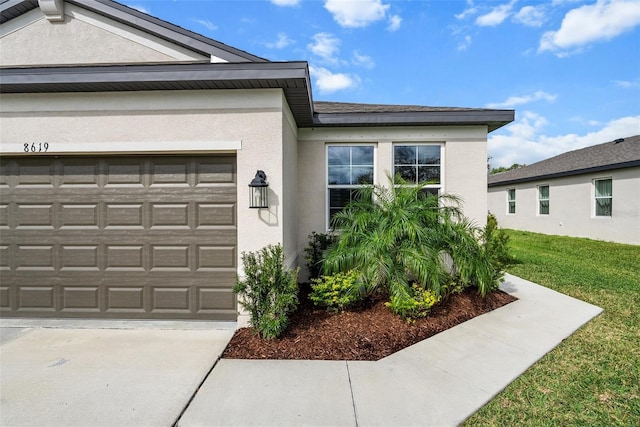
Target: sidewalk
column 438, row 382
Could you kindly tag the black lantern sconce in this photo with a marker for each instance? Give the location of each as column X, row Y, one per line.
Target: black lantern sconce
column 259, row 191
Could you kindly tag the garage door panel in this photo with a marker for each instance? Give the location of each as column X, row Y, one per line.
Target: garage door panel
column 140, row 238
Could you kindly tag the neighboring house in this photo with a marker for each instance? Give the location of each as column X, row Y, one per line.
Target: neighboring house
column 128, row 145
column 593, row 192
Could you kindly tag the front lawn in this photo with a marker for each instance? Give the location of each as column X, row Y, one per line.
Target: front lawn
column 593, row 377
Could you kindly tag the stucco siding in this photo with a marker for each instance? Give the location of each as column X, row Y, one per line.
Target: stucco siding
column 83, row 38
column 572, row 207
column 464, row 163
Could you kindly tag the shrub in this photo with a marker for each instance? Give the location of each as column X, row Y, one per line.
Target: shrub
column 269, row 291
column 397, row 235
column 336, row 292
column 315, row 250
column 496, row 244
column 414, row 305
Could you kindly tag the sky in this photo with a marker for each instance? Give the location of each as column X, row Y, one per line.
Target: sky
column 569, row 68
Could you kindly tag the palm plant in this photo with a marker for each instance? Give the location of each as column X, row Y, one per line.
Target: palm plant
column 398, row 235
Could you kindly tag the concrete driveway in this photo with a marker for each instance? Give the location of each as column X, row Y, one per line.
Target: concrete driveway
column 79, row 374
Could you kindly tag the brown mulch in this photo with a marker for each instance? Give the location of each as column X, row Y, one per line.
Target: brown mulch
column 370, row 332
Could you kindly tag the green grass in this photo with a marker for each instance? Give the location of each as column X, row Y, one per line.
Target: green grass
column 593, row 377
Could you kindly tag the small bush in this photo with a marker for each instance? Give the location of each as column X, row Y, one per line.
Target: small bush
column 314, row 252
column 414, row 305
column 336, row 292
column 269, row 291
column 496, row 244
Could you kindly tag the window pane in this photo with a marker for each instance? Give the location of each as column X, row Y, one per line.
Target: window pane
column 429, row 174
column 339, row 175
column 404, row 155
column 512, row 207
column 603, row 207
column 362, row 156
column 428, row 155
column 362, row 175
column 408, row 173
column 544, row 207
column 431, row 191
column 339, row 197
column 603, row 188
column 544, row 192
column 339, row 155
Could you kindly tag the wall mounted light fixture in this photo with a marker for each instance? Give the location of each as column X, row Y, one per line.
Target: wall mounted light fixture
column 259, row 191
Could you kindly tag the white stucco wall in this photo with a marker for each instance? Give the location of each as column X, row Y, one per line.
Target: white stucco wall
column 464, row 171
column 166, row 122
column 83, row 38
column 572, row 207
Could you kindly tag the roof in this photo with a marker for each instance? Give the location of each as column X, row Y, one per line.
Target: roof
column 617, row 154
column 10, row 9
column 243, row 71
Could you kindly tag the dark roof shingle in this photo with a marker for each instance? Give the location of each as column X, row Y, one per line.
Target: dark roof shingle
column 610, row 155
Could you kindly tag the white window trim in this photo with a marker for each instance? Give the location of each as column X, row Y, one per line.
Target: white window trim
column 441, row 187
column 593, row 198
column 515, row 203
column 326, row 173
column 548, row 199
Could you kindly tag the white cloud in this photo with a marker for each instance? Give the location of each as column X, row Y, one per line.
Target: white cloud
column 281, row 42
column 627, row 84
column 465, row 43
column 394, row 23
column 362, row 60
column 470, row 10
column 325, row 45
column 512, row 101
column 139, row 8
column 208, row 24
column 328, row 82
column 356, row 13
column 286, row 2
column 524, row 142
column 531, row 16
column 497, row 15
column 583, row 25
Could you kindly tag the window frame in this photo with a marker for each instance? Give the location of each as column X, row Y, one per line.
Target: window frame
column 541, row 199
column 328, row 187
column 596, row 198
column 510, row 201
column 441, row 185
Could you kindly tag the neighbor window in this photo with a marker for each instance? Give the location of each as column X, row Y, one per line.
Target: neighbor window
column 511, row 200
column 543, row 200
column 348, row 168
column 419, row 164
column 603, row 196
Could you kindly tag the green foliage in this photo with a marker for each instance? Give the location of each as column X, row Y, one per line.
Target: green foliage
column 315, row 250
column 269, row 291
column 415, row 305
column 496, row 244
column 336, row 292
column 505, row 169
column 398, row 234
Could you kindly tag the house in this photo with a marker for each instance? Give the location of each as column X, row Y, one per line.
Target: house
column 128, row 145
column 593, row 192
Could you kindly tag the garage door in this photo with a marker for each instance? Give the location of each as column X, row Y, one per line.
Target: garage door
column 118, row 237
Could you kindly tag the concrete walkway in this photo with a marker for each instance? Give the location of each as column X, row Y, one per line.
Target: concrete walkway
column 76, row 373
column 437, row 382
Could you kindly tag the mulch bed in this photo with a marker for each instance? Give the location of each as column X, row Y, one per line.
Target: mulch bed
column 370, row 332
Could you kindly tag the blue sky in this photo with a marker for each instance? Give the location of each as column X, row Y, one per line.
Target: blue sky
column 570, row 68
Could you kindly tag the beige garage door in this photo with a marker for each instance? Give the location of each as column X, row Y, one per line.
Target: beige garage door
column 118, row 237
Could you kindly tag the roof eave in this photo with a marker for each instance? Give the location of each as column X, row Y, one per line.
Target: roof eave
column 493, row 119
column 582, row 171
column 292, row 77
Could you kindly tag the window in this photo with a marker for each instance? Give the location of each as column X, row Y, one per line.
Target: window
column 419, row 164
column 511, row 200
column 348, row 168
column 603, row 196
column 543, row 200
